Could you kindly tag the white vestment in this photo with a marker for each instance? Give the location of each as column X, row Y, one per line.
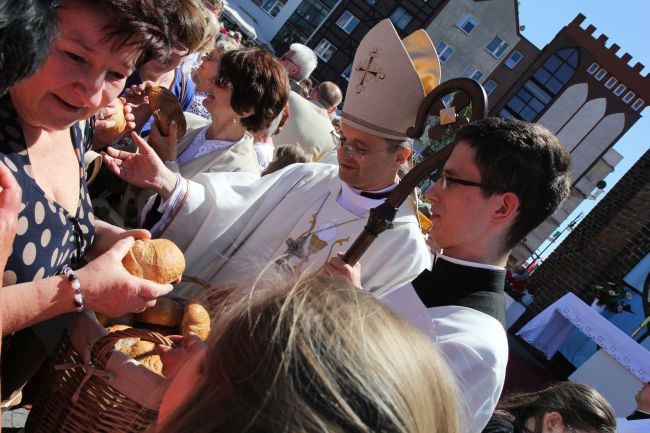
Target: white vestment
column 231, row 224
column 473, row 343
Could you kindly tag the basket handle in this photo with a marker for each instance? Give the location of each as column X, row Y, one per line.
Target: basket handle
column 105, row 345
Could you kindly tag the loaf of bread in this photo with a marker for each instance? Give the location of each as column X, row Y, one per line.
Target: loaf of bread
column 158, row 260
column 165, row 107
column 166, row 312
column 118, row 118
column 196, row 319
column 142, row 351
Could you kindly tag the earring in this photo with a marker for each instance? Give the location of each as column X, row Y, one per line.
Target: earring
column 235, row 120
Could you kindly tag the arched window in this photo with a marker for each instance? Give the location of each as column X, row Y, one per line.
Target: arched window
column 547, row 81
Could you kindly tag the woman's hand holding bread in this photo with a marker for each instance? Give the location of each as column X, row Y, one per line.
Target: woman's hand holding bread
column 110, row 289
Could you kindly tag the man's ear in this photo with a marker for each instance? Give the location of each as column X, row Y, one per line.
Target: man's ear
column 552, row 422
column 402, row 155
column 508, row 205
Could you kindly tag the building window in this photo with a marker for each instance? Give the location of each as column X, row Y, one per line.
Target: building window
column 489, row 86
column 272, row 7
column 611, row 82
column 591, row 70
column 347, row 22
column 619, row 89
column 547, row 81
column 514, row 59
column 325, row 50
column 600, row 74
column 346, row 73
column 307, row 17
column 467, row 22
column 628, row 97
column 472, row 72
column 400, row 18
column 444, row 51
column 496, row 47
column 638, row 104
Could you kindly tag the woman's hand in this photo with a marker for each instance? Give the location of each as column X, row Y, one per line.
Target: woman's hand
column 103, row 136
column 138, row 101
column 337, row 268
column 174, row 359
column 106, row 235
column 110, row 289
column 143, row 169
column 164, row 145
column 10, row 200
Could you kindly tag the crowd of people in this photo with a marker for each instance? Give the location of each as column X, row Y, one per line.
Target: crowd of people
column 268, row 187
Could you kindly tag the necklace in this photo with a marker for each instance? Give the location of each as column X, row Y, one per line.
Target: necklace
column 296, row 247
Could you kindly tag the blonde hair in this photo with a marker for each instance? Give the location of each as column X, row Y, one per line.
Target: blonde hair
column 316, row 355
column 194, row 26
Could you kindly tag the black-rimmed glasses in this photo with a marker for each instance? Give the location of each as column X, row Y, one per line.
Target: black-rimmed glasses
column 351, row 150
column 446, row 180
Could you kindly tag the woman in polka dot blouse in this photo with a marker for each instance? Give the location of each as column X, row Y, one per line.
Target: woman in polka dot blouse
column 42, row 143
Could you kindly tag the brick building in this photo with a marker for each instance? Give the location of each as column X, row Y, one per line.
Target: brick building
column 607, row 244
column 582, row 91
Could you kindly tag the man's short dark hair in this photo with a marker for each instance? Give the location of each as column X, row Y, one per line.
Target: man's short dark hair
column 524, row 158
column 27, row 30
column 259, row 83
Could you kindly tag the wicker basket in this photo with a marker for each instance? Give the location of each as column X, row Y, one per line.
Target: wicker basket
column 91, row 388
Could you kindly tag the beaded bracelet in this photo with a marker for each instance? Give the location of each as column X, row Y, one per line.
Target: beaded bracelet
column 74, row 282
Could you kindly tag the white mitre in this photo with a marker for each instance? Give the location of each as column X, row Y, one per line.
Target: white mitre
column 390, row 78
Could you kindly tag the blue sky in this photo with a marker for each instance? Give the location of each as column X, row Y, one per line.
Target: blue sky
column 625, row 22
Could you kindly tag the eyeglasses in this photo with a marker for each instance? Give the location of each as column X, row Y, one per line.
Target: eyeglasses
column 447, row 180
column 351, row 150
column 209, row 57
column 288, row 59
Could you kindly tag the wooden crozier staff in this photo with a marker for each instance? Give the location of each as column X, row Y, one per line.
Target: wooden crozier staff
column 466, row 91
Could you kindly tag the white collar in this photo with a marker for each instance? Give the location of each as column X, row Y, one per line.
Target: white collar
column 352, row 201
column 467, row 263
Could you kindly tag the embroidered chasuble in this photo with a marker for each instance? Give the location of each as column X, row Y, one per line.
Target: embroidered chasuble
column 231, row 225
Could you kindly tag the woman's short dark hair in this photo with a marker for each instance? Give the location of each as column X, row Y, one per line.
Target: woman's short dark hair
column 27, row 30
column 259, row 83
column 580, row 406
column 141, row 24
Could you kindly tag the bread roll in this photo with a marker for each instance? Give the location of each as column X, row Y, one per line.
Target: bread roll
column 142, row 351
column 196, row 319
column 165, row 107
column 118, row 118
column 157, row 260
column 166, row 312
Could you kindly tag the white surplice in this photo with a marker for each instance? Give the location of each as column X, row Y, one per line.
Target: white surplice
column 231, row 224
column 473, row 343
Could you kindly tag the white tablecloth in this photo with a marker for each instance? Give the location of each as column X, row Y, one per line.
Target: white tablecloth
column 548, row 330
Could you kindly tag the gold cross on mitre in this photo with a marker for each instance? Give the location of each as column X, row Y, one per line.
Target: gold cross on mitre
column 377, row 75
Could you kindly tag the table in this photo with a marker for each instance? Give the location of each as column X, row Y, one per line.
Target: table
column 626, row 362
column 548, row 330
